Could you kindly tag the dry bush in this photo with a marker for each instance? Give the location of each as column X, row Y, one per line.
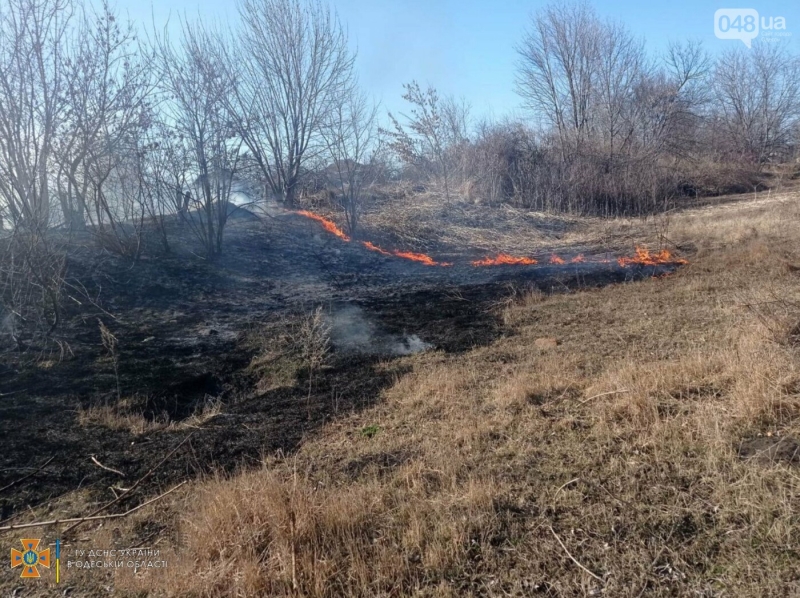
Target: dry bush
column 110, row 343
column 274, row 363
column 121, row 415
column 290, row 347
column 32, row 273
column 312, row 339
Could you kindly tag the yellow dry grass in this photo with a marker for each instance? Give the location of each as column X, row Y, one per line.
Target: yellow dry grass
column 128, row 414
column 606, row 465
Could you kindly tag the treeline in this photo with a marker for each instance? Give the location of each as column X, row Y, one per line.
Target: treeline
column 100, row 127
column 611, row 129
column 108, row 131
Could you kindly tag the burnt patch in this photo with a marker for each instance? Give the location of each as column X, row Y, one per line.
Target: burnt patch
column 181, row 399
column 451, row 319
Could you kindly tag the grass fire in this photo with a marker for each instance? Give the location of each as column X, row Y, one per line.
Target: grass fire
column 642, row 257
column 277, row 319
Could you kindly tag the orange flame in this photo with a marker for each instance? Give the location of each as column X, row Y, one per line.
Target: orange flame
column 503, row 259
column 643, row 257
column 419, row 257
column 328, row 225
column 373, row 247
column 416, row 257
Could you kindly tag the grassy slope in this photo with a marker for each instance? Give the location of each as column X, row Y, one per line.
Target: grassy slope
column 609, row 463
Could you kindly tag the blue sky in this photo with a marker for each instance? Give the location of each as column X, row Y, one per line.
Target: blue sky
column 466, row 48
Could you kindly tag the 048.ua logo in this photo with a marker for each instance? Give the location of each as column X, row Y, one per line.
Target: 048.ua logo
column 30, row 558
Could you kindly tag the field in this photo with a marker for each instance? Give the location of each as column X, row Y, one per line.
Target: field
column 568, row 431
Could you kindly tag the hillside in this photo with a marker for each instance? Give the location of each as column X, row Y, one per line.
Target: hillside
column 625, row 439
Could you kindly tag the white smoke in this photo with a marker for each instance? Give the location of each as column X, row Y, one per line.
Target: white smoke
column 410, row 345
column 352, row 331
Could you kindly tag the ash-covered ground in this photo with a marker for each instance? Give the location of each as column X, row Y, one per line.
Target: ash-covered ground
column 188, row 330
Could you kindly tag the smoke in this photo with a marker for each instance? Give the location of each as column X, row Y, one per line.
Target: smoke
column 352, row 331
column 410, row 345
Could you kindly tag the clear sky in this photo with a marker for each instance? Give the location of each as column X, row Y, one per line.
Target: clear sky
column 466, row 48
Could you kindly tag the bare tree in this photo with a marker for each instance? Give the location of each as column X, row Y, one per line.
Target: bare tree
column 621, row 120
column 32, row 265
column 194, row 107
column 161, row 168
column 758, row 96
column 31, row 104
column 291, row 69
column 435, row 127
column 108, row 86
column 668, row 103
column 557, row 69
column 354, row 147
column 619, row 69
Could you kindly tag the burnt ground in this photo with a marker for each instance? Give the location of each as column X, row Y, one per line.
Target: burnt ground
column 184, row 328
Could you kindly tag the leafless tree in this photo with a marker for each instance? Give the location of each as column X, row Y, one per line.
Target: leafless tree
column 557, row 69
column 292, row 68
column 621, row 121
column 194, row 107
column 161, row 167
column 107, row 89
column 32, row 264
column 620, row 66
column 354, row 147
column 31, row 104
column 758, row 96
column 435, row 127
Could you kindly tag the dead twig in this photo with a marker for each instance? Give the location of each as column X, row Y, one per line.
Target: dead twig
column 572, row 558
column 560, row 488
column 132, row 488
column 603, row 394
column 101, row 466
column 30, row 475
column 79, row 520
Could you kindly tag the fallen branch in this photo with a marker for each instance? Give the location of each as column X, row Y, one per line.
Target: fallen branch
column 574, row 560
column 30, row 475
column 603, row 394
column 101, row 466
column 132, row 488
column 79, row 520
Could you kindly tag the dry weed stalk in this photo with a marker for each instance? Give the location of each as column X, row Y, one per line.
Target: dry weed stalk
column 313, row 340
column 110, row 344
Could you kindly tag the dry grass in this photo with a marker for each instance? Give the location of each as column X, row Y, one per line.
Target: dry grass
column 124, row 414
column 128, row 414
column 496, row 471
